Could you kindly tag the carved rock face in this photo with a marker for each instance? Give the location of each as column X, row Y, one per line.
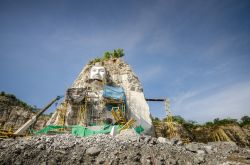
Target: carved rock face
column 86, row 91
column 97, row 72
column 75, row 95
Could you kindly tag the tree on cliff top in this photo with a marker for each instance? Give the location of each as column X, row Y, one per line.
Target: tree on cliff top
column 117, row 53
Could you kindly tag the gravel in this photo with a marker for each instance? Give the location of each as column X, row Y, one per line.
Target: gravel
column 127, row 148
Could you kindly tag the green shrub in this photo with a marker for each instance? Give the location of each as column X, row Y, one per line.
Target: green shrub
column 217, row 121
column 120, row 52
column 15, row 100
column 190, row 124
column 156, row 119
column 245, row 120
column 179, row 119
column 107, row 55
column 97, row 59
column 209, row 124
column 117, row 53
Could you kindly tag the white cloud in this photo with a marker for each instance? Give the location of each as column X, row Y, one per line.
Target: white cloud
column 204, row 105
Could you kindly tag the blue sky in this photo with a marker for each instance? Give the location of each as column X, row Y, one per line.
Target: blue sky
column 197, row 53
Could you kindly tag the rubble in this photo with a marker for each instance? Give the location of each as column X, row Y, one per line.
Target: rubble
column 107, row 149
column 128, row 134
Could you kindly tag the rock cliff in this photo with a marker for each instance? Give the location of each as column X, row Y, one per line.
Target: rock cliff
column 118, row 74
column 228, row 132
column 14, row 113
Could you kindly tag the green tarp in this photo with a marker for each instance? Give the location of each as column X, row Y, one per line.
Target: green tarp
column 78, row 130
column 139, row 129
column 83, row 131
column 47, row 129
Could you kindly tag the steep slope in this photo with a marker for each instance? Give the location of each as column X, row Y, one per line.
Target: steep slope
column 14, row 113
column 119, row 74
column 228, row 132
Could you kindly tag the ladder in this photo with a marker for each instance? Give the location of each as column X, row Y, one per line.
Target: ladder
column 129, row 124
column 118, row 116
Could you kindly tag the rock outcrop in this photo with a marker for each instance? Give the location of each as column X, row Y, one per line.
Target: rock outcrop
column 118, row 74
column 14, row 113
column 229, row 132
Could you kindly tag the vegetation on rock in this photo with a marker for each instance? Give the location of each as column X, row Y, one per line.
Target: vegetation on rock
column 217, row 130
column 245, row 120
column 116, row 53
column 14, row 113
column 16, row 101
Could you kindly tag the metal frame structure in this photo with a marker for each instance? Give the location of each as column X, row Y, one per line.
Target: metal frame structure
column 171, row 130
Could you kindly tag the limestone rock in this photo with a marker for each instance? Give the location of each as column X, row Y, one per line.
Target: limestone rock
column 161, row 139
column 13, row 114
column 235, row 133
column 128, row 134
column 192, row 147
column 119, row 74
column 93, row 151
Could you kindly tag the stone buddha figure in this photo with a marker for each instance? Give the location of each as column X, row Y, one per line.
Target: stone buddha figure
column 94, row 90
column 86, row 95
column 97, row 73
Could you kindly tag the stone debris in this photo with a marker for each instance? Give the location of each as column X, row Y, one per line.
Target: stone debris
column 93, row 151
column 127, row 148
column 128, row 134
column 162, row 140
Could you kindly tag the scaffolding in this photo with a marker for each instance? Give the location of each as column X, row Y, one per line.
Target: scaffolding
column 62, row 114
column 129, row 124
column 6, row 133
column 171, row 130
column 89, row 113
column 118, row 115
column 81, row 113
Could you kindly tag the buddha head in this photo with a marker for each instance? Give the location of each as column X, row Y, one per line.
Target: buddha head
column 97, row 73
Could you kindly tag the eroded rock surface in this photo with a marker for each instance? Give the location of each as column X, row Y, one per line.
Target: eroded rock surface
column 228, row 132
column 118, row 74
column 13, row 114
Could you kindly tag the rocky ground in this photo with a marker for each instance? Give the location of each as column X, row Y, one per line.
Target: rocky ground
column 126, row 148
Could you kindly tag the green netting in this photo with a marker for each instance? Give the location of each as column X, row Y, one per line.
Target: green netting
column 83, row 131
column 139, row 129
column 47, row 129
column 78, row 130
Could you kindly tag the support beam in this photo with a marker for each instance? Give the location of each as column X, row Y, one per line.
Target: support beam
column 26, row 126
column 155, row 99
